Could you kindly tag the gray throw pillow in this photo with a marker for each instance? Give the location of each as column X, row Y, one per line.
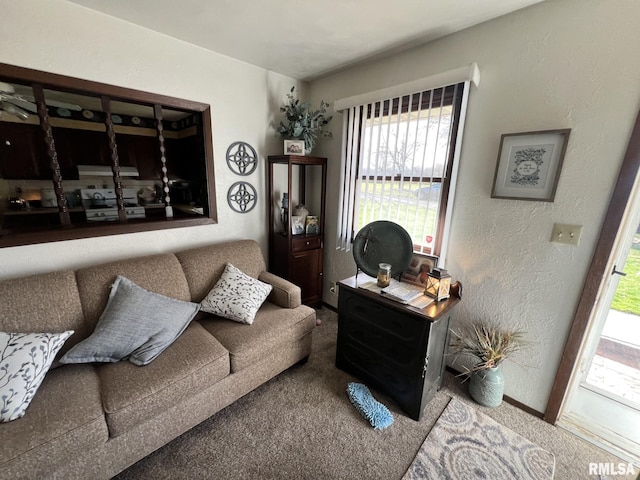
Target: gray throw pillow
column 136, row 324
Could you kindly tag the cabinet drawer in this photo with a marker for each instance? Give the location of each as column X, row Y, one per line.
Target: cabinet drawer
column 379, row 325
column 371, row 367
column 305, row 243
column 377, row 341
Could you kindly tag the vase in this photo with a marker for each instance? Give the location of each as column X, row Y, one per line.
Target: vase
column 487, row 387
column 301, row 211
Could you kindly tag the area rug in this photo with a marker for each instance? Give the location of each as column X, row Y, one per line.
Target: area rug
column 465, row 443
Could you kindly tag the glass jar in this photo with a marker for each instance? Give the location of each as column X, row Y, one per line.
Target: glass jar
column 384, row 274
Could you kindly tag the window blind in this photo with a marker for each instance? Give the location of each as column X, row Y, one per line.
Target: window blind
column 398, row 162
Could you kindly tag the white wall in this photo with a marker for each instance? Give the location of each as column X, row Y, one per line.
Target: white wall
column 61, row 37
column 559, row 64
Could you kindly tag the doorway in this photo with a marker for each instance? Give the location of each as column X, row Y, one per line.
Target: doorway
column 603, row 403
column 572, row 394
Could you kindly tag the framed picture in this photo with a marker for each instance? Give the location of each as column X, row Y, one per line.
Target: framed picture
column 294, row 147
column 312, row 227
column 529, row 165
column 419, row 266
column 297, row 225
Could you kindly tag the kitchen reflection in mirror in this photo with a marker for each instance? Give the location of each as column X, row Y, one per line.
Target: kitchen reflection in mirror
column 80, row 159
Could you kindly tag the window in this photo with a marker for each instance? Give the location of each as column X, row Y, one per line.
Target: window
column 84, row 159
column 399, row 163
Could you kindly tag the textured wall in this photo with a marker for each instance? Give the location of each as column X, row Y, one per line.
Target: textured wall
column 559, row 64
column 62, row 37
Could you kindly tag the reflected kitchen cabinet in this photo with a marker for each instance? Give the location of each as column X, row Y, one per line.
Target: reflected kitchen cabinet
column 141, row 152
column 80, row 147
column 22, row 152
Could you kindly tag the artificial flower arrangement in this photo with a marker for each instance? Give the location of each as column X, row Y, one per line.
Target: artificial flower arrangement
column 302, row 122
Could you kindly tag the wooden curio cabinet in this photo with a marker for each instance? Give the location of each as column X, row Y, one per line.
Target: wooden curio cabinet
column 293, row 254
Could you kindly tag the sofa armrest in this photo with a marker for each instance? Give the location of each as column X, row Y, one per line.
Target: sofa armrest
column 284, row 294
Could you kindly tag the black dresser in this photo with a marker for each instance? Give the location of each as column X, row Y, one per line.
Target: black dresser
column 395, row 348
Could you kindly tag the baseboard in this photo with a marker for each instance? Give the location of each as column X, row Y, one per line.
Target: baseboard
column 508, row 399
column 330, row 307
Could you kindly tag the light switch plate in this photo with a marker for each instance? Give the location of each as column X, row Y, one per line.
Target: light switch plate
column 567, row 234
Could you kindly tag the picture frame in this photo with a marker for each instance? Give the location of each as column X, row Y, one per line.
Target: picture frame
column 419, row 266
column 294, row 147
column 529, row 165
column 312, row 226
column 297, row 224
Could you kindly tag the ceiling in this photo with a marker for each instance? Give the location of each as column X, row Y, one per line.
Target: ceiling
column 305, row 39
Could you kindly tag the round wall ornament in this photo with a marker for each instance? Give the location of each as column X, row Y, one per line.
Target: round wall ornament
column 242, row 197
column 242, row 158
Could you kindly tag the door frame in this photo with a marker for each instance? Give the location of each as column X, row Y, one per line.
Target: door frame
column 596, row 275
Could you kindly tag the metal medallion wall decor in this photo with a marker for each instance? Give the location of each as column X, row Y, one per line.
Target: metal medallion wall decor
column 242, row 158
column 242, row 197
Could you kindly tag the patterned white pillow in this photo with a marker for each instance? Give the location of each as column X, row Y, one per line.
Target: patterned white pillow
column 25, row 358
column 236, row 296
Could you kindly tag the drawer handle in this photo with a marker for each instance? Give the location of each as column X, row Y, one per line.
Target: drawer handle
column 426, row 365
column 308, row 243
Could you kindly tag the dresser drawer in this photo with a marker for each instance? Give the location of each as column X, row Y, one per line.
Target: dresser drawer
column 380, row 326
column 367, row 365
column 377, row 341
column 305, row 243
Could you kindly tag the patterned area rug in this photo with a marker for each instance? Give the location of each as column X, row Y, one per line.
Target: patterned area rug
column 465, row 443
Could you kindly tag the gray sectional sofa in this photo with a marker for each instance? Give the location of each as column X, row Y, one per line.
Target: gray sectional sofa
column 95, row 420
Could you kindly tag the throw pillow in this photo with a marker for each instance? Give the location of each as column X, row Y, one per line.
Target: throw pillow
column 25, row 358
column 236, row 296
column 136, row 324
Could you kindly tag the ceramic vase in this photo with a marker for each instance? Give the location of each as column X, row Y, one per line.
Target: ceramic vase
column 301, row 211
column 487, row 387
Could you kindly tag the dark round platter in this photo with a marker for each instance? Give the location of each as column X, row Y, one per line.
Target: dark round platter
column 382, row 241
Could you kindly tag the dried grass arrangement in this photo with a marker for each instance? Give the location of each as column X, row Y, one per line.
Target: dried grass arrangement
column 486, row 341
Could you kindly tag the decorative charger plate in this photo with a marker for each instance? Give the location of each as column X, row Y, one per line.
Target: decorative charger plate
column 382, row 242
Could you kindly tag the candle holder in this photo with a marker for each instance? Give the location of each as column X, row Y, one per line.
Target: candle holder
column 384, row 274
column 438, row 284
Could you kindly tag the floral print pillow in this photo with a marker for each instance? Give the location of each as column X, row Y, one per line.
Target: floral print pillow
column 236, row 296
column 25, row 358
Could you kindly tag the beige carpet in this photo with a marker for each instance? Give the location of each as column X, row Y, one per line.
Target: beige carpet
column 301, row 425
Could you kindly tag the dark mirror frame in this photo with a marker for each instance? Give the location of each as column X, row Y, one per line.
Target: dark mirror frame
column 67, row 229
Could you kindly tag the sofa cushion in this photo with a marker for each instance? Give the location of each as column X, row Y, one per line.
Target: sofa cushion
column 136, row 324
column 65, row 417
column 195, row 361
column 236, row 296
column 47, row 302
column 25, row 360
column 272, row 328
column 157, row 273
column 203, row 266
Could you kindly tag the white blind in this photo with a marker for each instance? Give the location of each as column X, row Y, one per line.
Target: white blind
column 351, row 143
column 398, row 163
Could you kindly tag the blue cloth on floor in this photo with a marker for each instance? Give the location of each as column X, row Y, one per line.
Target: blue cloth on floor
column 378, row 415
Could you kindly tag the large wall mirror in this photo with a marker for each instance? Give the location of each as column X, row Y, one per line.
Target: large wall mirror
column 82, row 159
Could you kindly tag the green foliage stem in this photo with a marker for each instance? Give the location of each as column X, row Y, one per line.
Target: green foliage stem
column 302, row 122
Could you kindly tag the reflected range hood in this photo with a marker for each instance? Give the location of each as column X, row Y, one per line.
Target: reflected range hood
column 100, row 171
